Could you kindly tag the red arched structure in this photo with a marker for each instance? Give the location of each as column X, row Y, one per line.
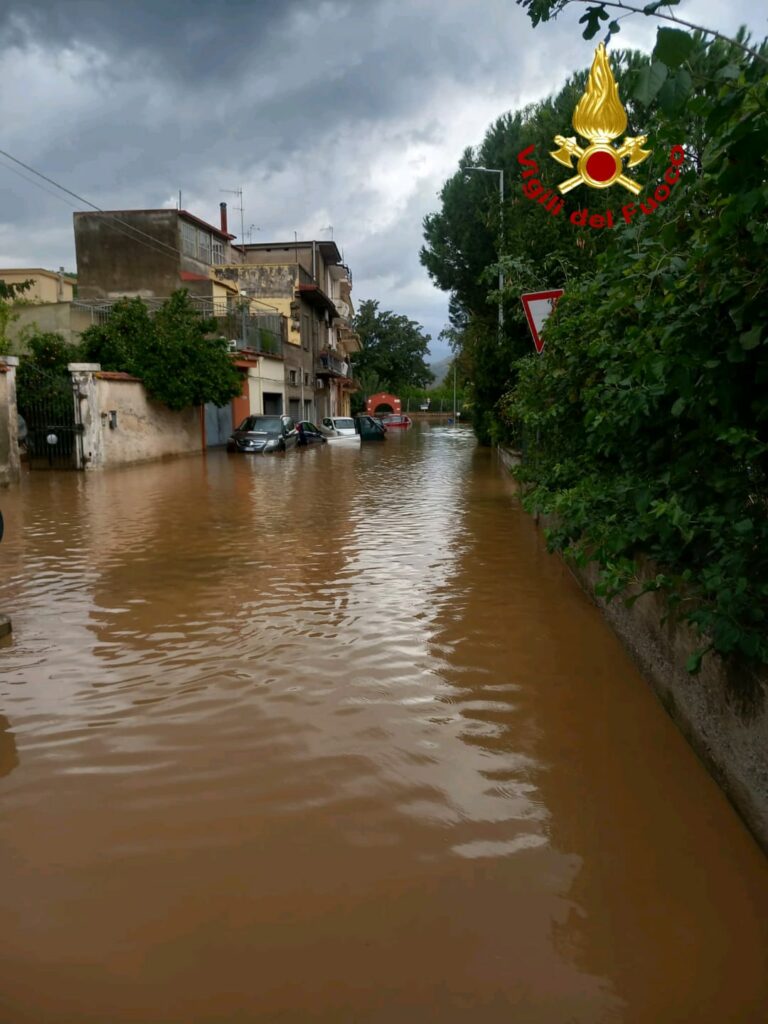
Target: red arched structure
column 382, row 403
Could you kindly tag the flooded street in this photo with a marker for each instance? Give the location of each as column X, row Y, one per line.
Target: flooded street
column 330, row 737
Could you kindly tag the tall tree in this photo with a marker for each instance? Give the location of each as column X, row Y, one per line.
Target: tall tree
column 647, row 406
column 394, row 348
column 469, row 234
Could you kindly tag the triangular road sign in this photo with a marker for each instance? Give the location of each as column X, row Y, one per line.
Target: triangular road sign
column 538, row 306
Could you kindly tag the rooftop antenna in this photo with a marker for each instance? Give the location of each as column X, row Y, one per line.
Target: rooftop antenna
column 328, row 227
column 179, row 206
column 239, row 193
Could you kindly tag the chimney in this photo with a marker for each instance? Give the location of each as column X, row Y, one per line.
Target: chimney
column 223, row 211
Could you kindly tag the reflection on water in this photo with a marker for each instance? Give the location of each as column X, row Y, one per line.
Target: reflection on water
column 9, row 758
column 330, row 737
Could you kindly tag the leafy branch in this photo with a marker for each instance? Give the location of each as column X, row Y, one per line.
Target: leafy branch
column 544, row 10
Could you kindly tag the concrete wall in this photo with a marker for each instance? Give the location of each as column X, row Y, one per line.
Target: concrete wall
column 142, row 253
column 60, row 317
column 9, row 448
column 143, row 430
column 112, row 261
column 722, row 711
column 300, row 254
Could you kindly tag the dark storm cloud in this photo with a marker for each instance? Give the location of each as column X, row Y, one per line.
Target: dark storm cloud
column 187, row 37
column 262, row 77
column 196, row 42
column 335, row 112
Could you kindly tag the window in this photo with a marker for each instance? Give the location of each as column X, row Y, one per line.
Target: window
column 292, row 377
column 204, row 246
column 188, row 239
column 200, row 245
column 306, row 380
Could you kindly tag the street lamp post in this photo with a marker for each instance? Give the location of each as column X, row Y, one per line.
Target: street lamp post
column 500, row 172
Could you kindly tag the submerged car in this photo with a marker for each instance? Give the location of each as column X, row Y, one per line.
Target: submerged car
column 264, row 434
column 396, row 420
column 342, row 435
column 309, row 433
column 339, row 426
column 369, row 429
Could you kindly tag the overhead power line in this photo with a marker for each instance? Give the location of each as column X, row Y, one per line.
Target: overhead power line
column 155, row 244
column 69, row 202
column 48, row 191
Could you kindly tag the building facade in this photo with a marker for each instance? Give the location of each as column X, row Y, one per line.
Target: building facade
column 308, row 283
column 47, row 286
column 285, row 308
column 150, row 254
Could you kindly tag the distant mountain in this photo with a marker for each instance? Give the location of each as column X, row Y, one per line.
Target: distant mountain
column 440, row 369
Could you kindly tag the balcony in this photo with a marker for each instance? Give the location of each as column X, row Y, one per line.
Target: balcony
column 329, row 366
column 349, row 339
column 259, row 334
column 309, row 290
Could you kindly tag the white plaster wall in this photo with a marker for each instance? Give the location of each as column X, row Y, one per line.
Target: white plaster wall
column 267, row 375
column 145, row 429
column 84, row 384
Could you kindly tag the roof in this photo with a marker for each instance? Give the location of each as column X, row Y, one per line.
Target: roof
column 204, row 224
column 328, row 250
column 184, row 214
column 39, row 271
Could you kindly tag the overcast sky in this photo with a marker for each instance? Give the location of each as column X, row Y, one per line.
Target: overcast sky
column 348, row 113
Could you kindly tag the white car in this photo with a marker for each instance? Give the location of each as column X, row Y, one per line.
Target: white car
column 340, row 430
column 343, row 425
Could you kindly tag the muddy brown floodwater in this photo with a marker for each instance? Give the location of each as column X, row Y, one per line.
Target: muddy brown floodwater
column 330, row 737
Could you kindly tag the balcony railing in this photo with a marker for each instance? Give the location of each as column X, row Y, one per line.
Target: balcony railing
column 262, row 334
column 330, row 366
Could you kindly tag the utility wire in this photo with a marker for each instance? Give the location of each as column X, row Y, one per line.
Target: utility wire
column 153, row 243
column 37, row 184
column 81, row 199
column 69, row 202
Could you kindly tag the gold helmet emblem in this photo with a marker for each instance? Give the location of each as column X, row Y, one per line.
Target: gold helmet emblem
column 600, row 117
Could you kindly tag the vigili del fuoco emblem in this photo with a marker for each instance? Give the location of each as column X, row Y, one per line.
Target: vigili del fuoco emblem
column 600, row 117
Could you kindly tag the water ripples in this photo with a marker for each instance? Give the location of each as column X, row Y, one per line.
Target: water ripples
column 175, row 615
column 322, row 687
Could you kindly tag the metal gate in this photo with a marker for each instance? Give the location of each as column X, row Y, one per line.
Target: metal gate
column 218, row 424
column 51, row 430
